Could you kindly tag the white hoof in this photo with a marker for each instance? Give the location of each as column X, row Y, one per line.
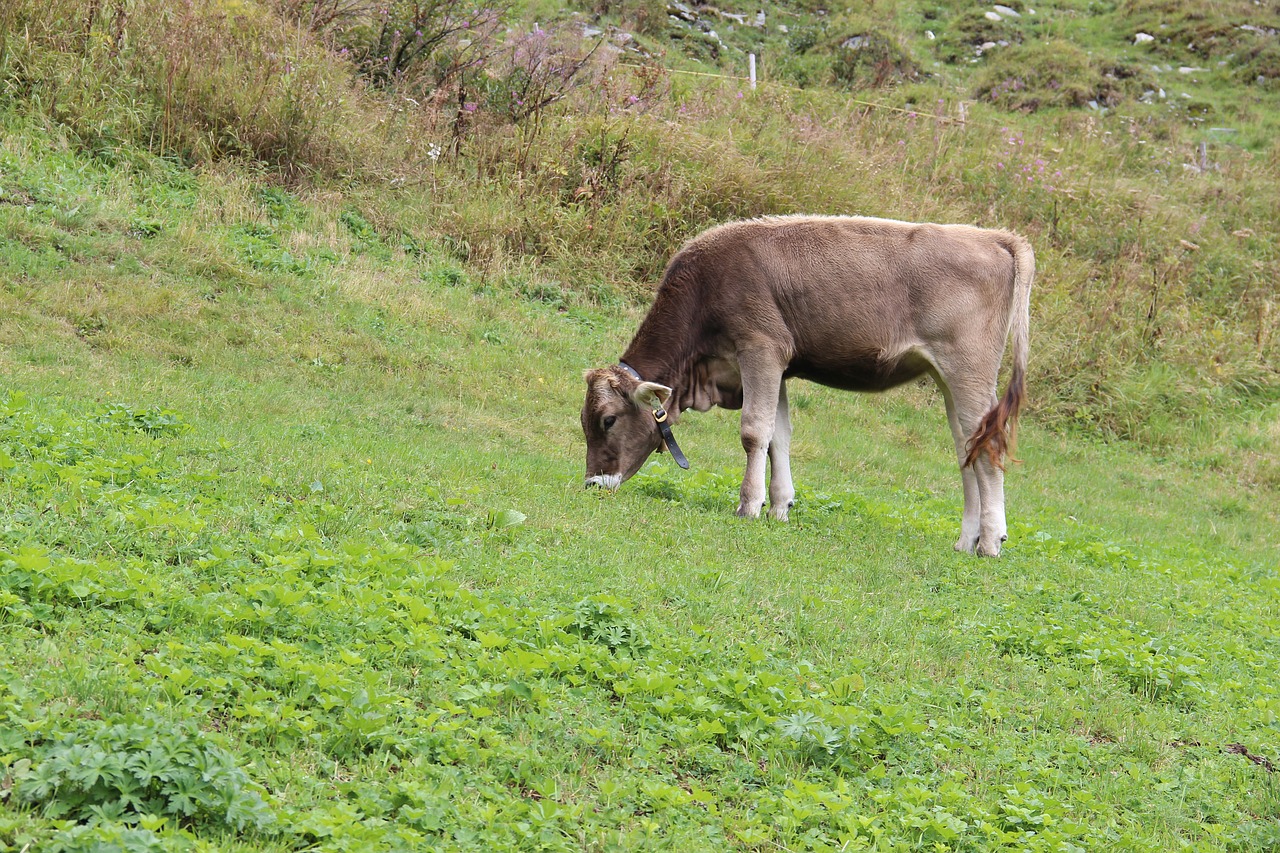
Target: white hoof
column 990, row 547
column 781, row 511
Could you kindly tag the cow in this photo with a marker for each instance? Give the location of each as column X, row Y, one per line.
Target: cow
column 851, row 302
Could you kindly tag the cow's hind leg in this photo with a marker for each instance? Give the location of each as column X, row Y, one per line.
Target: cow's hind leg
column 982, row 528
column 782, row 492
column 993, row 530
column 970, row 521
column 990, row 478
column 761, row 387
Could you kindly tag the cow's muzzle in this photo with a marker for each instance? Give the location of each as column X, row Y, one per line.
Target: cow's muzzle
column 608, row 481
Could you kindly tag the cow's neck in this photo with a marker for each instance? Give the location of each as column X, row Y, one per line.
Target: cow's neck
column 666, row 367
column 652, row 367
column 667, row 345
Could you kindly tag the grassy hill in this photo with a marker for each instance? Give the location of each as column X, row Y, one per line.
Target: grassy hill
column 293, row 550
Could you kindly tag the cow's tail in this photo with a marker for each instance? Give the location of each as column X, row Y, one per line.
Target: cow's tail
column 997, row 431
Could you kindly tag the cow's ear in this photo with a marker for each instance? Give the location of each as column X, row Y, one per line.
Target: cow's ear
column 651, row 395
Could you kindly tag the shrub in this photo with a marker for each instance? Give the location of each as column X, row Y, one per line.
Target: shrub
column 535, row 70
column 1043, row 74
column 423, row 45
column 872, row 58
column 189, row 79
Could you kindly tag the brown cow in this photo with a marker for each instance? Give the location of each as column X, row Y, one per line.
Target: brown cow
column 851, row 302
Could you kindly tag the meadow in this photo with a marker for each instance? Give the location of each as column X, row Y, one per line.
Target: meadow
column 294, row 552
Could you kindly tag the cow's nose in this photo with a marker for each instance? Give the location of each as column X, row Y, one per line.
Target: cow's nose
column 607, row 481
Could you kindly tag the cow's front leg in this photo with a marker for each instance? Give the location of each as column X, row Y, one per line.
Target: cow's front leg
column 761, row 382
column 782, row 493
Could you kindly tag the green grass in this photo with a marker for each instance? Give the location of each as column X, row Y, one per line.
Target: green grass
column 294, row 554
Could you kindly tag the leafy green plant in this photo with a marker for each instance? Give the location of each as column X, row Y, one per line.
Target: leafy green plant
column 604, row 620
column 140, row 766
column 153, row 421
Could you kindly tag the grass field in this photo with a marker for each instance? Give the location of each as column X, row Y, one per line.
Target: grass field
column 294, row 554
column 294, row 549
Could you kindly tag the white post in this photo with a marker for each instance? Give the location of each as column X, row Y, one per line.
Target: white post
column 751, row 61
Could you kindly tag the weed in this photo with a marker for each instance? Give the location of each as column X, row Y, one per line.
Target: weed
column 142, row 766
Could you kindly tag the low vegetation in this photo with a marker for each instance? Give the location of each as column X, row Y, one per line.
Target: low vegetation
column 294, row 302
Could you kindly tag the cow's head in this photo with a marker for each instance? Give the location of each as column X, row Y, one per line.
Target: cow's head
column 617, row 420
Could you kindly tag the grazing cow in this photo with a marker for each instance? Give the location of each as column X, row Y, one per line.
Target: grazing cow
column 851, row 302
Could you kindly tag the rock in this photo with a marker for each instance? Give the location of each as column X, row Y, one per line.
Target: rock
column 992, row 16
column 1143, row 38
column 855, row 43
column 1007, row 12
column 682, row 12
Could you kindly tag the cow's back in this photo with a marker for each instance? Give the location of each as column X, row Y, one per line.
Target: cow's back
column 848, row 300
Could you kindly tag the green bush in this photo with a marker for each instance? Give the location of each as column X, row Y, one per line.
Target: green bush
column 871, row 58
column 1035, row 76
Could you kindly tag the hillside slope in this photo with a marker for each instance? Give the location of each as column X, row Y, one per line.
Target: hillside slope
column 294, row 552
column 581, row 151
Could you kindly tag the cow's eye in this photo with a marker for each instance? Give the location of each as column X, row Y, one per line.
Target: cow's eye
column 609, row 421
